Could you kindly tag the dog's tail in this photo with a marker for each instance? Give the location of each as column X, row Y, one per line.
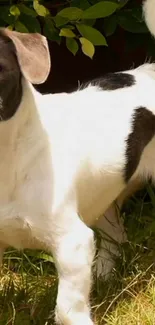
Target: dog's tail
column 149, row 15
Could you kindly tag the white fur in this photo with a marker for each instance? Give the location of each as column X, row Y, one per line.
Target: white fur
column 61, row 168
column 62, row 162
column 149, row 14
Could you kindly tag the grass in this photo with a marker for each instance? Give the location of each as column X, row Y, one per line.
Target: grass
column 28, row 281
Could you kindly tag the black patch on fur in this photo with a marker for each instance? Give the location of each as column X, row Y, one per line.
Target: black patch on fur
column 10, row 79
column 112, row 81
column 143, row 130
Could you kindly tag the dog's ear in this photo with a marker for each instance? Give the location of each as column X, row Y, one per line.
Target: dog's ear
column 33, row 54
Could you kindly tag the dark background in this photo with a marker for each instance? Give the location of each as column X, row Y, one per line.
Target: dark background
column 125, row 51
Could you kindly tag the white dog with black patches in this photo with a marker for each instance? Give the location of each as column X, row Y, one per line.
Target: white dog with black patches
column 66, row 158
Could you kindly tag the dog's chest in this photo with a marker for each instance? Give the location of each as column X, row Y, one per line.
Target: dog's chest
column 25, row 196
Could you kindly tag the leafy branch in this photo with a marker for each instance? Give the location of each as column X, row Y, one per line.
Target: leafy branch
column 74, row 21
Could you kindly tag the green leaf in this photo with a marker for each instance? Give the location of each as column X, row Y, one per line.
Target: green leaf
column 40, row 9
column 20, row 27
column 110, row 25
column 72, row 13
column 50, row 31
column 10, row 27
column 6, row 16
column 123, row 3
column 14, row 11
column 60, row 21
column 90, row 22
column 66, row 32
column 31, row 23
column 91, row 34
column 136, row 13
column 72, row 45
column 70, row 27
column 100, row 10
column 131, row 24
column 47, row 12
column 82, row 4
column 26, row 10
column 87, row 47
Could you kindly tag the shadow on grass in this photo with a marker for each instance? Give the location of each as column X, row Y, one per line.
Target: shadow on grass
column 135, row 267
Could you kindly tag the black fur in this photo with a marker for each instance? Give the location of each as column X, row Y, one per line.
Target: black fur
column 10, row 79
column 112, row 81
column 143, row 130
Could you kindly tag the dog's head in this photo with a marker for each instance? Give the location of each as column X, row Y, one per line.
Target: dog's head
column 21, row 55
